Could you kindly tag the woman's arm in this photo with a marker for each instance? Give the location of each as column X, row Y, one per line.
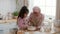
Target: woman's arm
column 21, row 23
column 41, row 19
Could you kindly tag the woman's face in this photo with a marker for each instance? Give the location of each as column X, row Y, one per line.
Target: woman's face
column 36, row 10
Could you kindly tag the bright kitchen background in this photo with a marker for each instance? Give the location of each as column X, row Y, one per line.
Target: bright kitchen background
column 48, row 7
column 7, row 6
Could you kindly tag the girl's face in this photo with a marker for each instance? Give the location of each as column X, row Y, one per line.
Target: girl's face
column 25, row 15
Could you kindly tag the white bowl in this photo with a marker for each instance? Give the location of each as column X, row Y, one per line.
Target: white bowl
column 31, row 28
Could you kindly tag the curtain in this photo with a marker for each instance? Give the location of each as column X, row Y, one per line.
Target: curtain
column 26, row 3
column 21, row 3
column 58, row 10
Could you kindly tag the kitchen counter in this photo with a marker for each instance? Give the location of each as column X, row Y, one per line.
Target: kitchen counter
column 6, row 26
column 33, row 32
column 7, row 21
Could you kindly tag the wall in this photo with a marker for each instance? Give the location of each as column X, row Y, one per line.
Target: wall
column 7, row 6
column 11, row 5
column 30, row 5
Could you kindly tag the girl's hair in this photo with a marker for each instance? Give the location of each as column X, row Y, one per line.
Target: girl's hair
column 24, row 10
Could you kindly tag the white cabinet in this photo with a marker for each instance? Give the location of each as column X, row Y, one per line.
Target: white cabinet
column 5, row 28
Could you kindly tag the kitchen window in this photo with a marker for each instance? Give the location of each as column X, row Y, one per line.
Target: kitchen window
column 48, row 7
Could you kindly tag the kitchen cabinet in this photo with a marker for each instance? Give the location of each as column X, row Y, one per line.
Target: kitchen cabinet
column 7, row 26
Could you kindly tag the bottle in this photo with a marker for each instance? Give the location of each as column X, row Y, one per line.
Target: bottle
column 9, row 15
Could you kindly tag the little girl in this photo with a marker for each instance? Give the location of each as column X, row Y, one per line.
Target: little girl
column 22, row 22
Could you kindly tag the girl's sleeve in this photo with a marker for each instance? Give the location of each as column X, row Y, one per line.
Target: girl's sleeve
column 21, row 23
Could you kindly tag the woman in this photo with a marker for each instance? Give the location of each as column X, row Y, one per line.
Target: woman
column 22, row 21
column 36, row 17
